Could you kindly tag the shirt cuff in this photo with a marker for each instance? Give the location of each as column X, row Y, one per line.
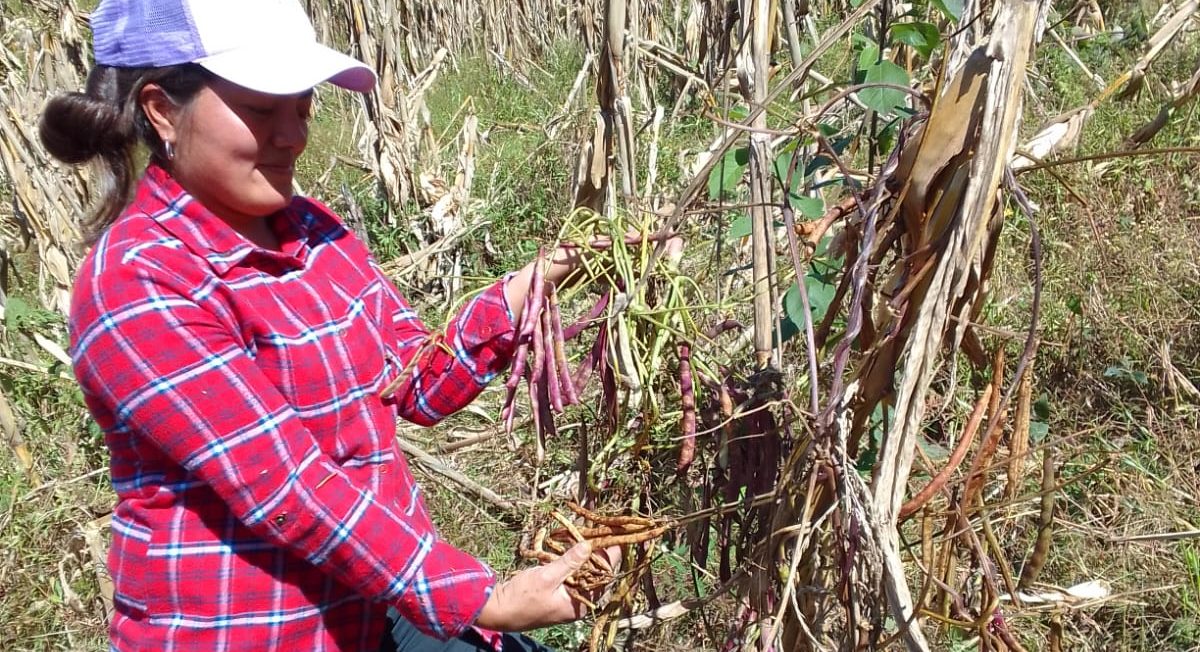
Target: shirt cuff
column 449, row 592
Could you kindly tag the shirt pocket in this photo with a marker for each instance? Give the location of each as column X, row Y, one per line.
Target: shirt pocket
column 367, row 422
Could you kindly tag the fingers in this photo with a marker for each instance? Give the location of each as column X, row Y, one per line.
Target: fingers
column 573, row 560
column 613, row 555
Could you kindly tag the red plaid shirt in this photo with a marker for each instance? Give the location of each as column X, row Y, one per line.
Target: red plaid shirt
column 262, row 501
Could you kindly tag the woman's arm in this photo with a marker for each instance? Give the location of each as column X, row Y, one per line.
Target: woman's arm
column 564, row 261
column 450, row 369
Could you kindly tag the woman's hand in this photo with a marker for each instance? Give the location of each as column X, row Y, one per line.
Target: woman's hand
column 564, row 260
column 536, row 597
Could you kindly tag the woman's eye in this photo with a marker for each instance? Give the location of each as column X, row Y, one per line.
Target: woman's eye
column 260, row 110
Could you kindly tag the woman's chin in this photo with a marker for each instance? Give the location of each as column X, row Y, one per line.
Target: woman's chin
column 267, row 203
column 277, row 181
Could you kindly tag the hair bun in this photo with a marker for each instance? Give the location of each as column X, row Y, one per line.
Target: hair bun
column 75, row 128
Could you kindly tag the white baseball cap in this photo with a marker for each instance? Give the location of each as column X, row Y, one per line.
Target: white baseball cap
column 264, row 45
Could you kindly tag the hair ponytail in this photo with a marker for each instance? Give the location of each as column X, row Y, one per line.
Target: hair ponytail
column 106, row 122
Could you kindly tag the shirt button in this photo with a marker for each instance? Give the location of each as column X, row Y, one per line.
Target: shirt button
column 280, row 519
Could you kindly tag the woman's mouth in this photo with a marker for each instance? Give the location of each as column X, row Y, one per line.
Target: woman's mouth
column 278, row 170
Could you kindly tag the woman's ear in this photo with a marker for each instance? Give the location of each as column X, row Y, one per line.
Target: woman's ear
column 161, row 111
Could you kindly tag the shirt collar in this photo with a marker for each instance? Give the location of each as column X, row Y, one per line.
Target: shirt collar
column 210, row 237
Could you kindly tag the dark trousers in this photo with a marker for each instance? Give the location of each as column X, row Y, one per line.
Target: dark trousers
column 403, row 637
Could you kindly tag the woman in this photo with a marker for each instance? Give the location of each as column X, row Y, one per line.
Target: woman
column 232, row 339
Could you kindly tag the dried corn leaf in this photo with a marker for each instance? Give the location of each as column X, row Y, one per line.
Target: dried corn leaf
column 1016, row 31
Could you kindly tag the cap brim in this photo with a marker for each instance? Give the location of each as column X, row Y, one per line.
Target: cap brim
column 290, row 70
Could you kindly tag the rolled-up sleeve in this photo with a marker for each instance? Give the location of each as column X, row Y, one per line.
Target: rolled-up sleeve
column 455, row 365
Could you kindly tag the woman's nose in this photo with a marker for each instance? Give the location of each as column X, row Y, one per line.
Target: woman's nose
column 291, row 131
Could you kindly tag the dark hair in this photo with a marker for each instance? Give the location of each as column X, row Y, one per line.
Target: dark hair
column 106, row 121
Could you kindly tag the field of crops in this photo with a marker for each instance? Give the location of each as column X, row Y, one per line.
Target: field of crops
column 888, row 334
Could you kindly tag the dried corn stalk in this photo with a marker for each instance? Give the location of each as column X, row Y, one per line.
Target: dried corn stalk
column 962, row 216
column 49, row 199
column 753, row 72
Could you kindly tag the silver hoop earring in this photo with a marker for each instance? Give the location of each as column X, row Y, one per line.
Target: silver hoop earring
column 169, row 150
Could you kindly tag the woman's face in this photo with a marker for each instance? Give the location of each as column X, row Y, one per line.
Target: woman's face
column 236, row 149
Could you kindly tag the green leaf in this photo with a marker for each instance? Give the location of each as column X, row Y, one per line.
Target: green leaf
column 726, row 175
column 922, row 37
column 1124, row 371
column 810, row 207
column 866, row 460
column 933, row 450
column 1075, row 304
column 887, row 135
column 820, row 295
column 868, row 57
column 884, row 100
column 1041, row 408
column 781, row 165
column 951, row 9
column 741, row 227
column 16, row 312
column 793, row 306
column 1038, row 431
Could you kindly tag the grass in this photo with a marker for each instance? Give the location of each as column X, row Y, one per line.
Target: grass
column 522, row 177
column 1119, row 286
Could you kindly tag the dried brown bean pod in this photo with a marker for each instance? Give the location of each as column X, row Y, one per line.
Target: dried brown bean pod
column 568, row 526
column 605, row 530
column 1018, row 445
column 997, row 415
column 960, row 451
column 431, row 342
column 578, row 597
column 630, row 539
column 600, row 562
column 598, row 565
column 611, row 521
column 539, row 539
column 596, row 585
column 580, row 578
column 716, row 330
column 687, row 422
column 728, row 434
column 580, row 537
column 543, row 557
column 1041, row 547
column 594, row 638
